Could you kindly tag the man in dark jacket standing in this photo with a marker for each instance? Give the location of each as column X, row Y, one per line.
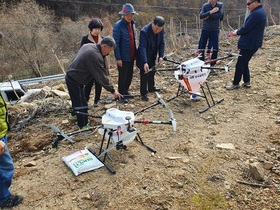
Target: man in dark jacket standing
column 211, row 13
column 124, row 33
column 151, row 45
column 251, row 38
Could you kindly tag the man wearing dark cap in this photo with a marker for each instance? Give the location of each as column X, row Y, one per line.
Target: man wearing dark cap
column 89, row 63
column 151, row 46
column 124, row 32
column 251, row 39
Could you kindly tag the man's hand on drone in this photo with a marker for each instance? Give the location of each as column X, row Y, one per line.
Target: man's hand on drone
column 232, row 33
column 160, row 60
column 146, row 67
column 117, row 95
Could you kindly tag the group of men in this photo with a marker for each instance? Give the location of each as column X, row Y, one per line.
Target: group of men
column 251, row 37
column 89, row 66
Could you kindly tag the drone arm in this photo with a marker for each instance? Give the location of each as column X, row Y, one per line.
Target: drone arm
column 145, row 122
column 222, row 58
column 172, row 61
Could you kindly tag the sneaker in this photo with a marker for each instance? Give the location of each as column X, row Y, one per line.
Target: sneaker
column 12, row 201
column 246, row 84
column 72, row 117
column 96, row 104
column 232, row 87
column 86, row 127
column 145, row 98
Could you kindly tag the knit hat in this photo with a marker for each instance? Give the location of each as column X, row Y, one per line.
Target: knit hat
column 127, row 9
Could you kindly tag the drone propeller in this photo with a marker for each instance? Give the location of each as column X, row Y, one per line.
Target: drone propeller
column 160, row 100
column 229, row 55
column 173, row 120
column 60, row 135
column 169, row 54
column 233, row 54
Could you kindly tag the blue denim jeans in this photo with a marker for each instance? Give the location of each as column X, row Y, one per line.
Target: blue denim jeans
column 6, row 172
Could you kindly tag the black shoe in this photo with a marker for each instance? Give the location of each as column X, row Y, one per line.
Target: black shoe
column 145, row 98
column 154, row 90
column 12, row 201
column 123, row 100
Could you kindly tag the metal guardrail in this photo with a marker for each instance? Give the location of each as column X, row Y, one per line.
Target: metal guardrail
column 41, row 79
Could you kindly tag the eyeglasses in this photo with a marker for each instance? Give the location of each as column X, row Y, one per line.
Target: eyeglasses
column 249, row 3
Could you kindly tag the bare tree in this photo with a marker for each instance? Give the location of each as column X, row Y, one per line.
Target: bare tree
column 28, row 31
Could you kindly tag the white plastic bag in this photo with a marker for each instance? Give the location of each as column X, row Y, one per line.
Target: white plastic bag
column 82, row 161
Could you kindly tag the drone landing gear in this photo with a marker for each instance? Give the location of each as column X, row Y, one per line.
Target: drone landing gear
column 210, row 102
column 119, row 145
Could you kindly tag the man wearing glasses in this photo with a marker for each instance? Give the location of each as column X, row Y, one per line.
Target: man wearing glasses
column 251, row 38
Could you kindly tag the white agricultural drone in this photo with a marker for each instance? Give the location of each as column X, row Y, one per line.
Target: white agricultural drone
column 118, row 128
column 192, row 74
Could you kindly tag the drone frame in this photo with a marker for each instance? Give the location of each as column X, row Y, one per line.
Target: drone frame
column 207, row 94
column 103, row 151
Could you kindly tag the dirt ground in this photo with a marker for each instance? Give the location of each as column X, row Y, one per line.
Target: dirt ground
column 188, row 170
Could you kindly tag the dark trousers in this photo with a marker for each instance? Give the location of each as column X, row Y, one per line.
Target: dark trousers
column 98, row 89
column 242, row 66
column 147, row 80
column 78, row 99
column 125, row 77
column 213, row 38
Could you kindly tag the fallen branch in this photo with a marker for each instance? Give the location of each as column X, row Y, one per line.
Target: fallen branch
column 254, row 184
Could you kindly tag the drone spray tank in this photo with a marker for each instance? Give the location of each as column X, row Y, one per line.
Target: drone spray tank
column 116, row 124
column 191, row 74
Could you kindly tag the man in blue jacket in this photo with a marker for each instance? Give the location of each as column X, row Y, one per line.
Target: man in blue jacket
column 151, row 45
column 251, row 38
column 124, row 33
column 212, row 14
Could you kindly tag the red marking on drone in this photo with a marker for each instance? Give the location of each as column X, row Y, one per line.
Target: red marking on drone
column 186, row 80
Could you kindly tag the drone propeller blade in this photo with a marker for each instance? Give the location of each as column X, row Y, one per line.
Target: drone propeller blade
column 54, row 128
column 234, row 54
column 60, row 133
column 173, row 121
column 229, row 63
column 160, row 100
column 169, row 54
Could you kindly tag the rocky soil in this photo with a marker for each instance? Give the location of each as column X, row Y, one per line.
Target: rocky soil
column 191, row 169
